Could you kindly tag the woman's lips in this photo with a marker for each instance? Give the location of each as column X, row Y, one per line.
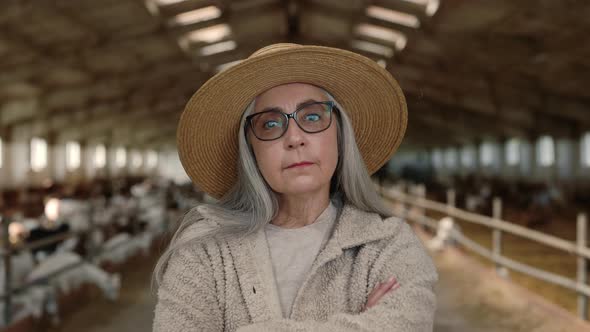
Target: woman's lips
column 303, row 164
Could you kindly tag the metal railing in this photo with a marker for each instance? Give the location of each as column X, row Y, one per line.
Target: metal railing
column 498, row 226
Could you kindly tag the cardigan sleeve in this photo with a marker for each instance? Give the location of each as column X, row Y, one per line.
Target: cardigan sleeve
column 409, row 308
column 187, row 298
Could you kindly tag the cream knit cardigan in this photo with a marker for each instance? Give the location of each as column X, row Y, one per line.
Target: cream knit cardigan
column 228, row 285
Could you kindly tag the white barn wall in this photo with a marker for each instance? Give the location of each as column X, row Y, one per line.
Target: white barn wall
column 169, row 166
column 566, row 158
column 58, row 160
column 6, row 168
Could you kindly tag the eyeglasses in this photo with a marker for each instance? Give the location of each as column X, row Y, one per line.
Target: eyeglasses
column 311, row 118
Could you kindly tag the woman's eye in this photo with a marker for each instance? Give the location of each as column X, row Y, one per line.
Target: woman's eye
column 312, row 117
column 270, row 124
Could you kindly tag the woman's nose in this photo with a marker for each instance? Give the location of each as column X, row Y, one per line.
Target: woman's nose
column 294, row 136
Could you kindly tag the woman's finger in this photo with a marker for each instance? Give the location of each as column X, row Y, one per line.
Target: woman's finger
column 376, row 289
column 374, row 295
column 379, row 291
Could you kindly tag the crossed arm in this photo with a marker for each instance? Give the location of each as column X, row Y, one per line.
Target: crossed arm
column 186, row 296
column 410, row 308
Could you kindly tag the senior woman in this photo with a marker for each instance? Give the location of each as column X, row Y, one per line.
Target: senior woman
column 299, row 239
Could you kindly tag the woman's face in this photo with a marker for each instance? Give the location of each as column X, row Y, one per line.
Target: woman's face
column 275, row 157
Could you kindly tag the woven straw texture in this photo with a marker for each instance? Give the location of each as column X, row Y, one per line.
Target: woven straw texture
column 207, row 134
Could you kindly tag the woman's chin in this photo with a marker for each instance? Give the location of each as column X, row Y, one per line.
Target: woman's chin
column 305, row 186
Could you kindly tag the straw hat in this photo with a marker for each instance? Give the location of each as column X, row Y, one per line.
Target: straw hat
column 207, row 133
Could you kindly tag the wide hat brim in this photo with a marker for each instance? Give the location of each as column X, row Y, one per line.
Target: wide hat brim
column 207, row 134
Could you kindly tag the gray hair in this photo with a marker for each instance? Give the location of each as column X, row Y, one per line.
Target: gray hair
column 251, row 204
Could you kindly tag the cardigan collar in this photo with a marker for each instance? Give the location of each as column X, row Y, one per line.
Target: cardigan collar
column 356, row 227
column 353, row 227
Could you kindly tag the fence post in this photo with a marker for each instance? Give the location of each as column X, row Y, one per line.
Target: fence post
column 91, row 252
column 422, row 195
column 403, row 188
column 582, row 273
column 497, row 235
column 451, row 199
column 451, row 202
column 7, row 271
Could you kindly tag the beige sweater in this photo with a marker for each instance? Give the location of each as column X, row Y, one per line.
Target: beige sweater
column 292, row 252
column 227, row 285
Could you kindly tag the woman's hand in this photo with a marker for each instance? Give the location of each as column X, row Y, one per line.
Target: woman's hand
column 380, row 290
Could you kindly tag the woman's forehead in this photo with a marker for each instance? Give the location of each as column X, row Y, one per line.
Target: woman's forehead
column 289, row 94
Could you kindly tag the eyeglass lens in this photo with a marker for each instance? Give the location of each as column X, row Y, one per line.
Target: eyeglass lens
column 311, row 118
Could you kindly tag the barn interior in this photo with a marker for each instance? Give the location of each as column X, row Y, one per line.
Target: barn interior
column 91, row 92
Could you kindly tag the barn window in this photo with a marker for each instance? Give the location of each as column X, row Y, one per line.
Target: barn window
column 38, row 154
column 136, row 159
column 100, row 156
column 451, row 158
column 545, row 151
column 120, row 157
column 72, row 155
column 468, row 156
column 437, row 158
column 151, row 159
column 585, row 150
column 486, row 154
column 513, row 152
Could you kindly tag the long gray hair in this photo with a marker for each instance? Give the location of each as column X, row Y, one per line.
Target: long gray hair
column 251, row 203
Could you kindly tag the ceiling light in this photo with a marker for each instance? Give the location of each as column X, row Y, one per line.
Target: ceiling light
column 417, row 2
column 207, row 35
column 393, row 16
column 196, row 16
column 227, row 65
column 385, row 34
column 218, row 48
column 167, row 2
column 431, row 5
column 372, row 48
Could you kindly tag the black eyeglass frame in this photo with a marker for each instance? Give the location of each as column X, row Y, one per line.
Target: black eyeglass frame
column 293, row 115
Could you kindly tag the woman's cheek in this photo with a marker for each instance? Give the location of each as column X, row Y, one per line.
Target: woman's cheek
column 331, row 154
column 271, row 170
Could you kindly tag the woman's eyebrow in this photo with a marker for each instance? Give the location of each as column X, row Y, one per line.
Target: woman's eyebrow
column 276, row 108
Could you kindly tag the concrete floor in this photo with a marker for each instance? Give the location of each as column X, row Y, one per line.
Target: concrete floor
column 470, row 298
column 473, row 298
column 132, row 312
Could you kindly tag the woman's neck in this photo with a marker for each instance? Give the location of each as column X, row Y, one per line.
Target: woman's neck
column 301, row 210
